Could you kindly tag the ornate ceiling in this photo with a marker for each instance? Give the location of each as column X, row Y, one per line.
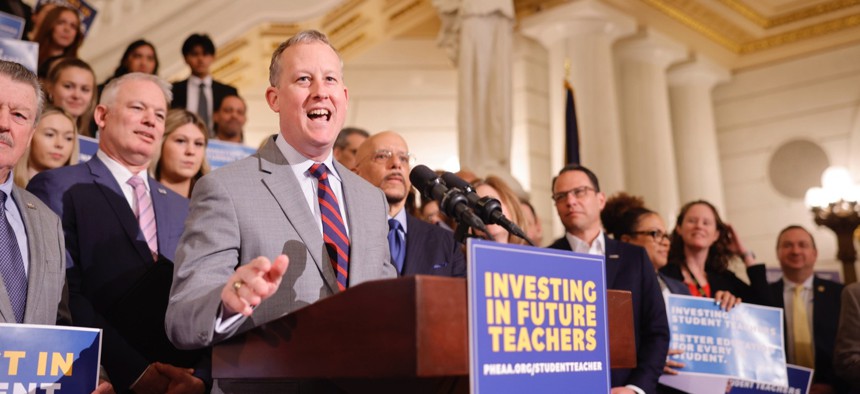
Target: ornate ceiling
column 741, row 33
column 734, row 33
column 737, row 33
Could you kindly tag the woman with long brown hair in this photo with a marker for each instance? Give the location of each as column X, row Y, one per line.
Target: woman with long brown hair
column 701, row 249
column 59, row 36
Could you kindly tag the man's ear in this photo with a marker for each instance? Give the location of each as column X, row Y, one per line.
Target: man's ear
column 99, row 115
column 272, row 98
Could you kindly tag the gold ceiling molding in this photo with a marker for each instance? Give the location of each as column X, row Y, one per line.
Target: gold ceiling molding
column 281, row 29
column 524, row 8
column 817, row 30
column 716, row 29
column 345, row 47
column 804, row 13
column 349, row 7
column 694, row 14
column 406, row 9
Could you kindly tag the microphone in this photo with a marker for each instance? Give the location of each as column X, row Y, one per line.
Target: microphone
column 451, row 201
column 489, row 209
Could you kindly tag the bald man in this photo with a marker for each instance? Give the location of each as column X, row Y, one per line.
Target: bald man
column 417, row 247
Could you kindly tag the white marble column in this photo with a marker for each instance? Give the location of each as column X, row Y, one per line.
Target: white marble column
column 478, row 35
column 696, row 149
column 583, row 32
column 645, row 119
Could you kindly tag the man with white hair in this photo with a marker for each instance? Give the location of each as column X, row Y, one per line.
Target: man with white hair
column 121, row 230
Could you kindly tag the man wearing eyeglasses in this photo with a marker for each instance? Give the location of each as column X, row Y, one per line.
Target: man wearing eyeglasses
column 578, row 201
column 417, row 247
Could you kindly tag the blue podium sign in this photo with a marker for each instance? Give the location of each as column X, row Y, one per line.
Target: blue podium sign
column 48, row 359
column 745, row 343
column 537, row 320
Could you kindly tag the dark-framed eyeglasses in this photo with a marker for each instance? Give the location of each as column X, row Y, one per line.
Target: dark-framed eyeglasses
column 384, row 155
column 656, row 235
column 579, row 192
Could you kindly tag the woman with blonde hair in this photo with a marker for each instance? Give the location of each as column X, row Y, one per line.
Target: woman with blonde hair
column 181, row 161
column 71, row 85
column 54, row 144
column 495, row 187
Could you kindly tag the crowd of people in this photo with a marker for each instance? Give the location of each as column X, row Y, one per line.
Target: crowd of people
column 318, row 209
column 72, row 88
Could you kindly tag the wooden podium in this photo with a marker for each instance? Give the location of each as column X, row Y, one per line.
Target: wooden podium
column 403, row 333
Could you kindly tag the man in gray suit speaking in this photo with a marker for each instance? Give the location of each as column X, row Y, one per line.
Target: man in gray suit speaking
column 287, row 226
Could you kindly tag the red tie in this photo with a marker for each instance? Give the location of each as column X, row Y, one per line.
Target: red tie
column 334, row 230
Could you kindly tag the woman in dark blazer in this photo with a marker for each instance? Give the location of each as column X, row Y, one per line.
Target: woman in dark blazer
column 700, row 251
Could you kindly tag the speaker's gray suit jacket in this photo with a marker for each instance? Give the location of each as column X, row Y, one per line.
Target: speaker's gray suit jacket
column 46, row 273
column 255, row 207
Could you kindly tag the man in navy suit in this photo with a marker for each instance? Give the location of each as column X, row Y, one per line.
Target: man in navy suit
column 821, row 299
column 578, row 201
column 121, row 229
column 198, row 50
column 417, row 247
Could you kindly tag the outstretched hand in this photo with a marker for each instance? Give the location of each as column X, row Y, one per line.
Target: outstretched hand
column 252, row 283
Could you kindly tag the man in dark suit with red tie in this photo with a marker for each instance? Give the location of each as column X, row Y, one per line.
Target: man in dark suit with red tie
column 578, row 201
column 417, row 247
column 121, row 231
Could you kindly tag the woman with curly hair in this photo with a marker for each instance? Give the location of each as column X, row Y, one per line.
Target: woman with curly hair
column 700, row 251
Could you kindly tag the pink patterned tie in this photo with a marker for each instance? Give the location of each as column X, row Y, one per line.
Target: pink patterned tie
column 145, row 214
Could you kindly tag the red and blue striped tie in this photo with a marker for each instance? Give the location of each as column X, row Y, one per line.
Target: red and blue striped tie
column 334, row 230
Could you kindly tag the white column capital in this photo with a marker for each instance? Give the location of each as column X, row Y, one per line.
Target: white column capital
column 583, row 17
column 651, row 47
column 699, row 71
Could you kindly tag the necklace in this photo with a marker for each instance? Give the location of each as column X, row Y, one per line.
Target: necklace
column 702, row 291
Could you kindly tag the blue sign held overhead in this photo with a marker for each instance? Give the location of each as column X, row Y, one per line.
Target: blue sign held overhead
column 537, row 320
column 25, row 53
column 11, row 26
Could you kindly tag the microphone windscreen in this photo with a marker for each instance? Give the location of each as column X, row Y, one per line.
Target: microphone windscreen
column 423, row 178
column 452, row 180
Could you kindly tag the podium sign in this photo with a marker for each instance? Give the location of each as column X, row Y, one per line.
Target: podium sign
column 537, row 320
